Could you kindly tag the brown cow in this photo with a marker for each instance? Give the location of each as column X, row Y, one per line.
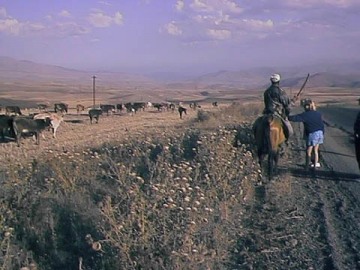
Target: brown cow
column 181, row 111
column 79, row 108
column 13, row 110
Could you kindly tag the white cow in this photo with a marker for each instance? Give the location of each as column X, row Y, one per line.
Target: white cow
column 55, row 120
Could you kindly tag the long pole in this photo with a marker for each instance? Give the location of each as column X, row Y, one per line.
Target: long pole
column 94, row 77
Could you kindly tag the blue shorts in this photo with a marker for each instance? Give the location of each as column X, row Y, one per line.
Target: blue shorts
column 315, row 138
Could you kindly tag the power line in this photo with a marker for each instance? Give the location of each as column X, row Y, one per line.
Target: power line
column 94, row 77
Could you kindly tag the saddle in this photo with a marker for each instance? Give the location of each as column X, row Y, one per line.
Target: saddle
column 288, row 130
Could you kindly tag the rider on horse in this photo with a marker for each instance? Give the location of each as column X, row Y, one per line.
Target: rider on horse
column 278, row 103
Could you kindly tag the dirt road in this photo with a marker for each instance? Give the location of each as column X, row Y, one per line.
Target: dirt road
column 309, row 220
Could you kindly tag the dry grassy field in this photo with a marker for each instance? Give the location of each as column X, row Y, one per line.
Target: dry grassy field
column 153, row 191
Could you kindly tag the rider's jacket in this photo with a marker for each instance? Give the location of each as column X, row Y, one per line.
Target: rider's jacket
column 276, row 100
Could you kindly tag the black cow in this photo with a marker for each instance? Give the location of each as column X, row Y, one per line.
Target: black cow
column 13, row 110
column 128, row 106
column 172, row 107
column 215, row 104
column 357, row 138
column 181, row 111
column 26, row 126
column 107, row 108
column 119, row 107
column 94, row 114
column 42, row 107
column 158, row 106
column 6, row 126
column 138, row 105
column 194, row 105
column 61, row 107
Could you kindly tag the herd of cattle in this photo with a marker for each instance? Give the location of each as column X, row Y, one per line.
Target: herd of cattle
column 15, row 124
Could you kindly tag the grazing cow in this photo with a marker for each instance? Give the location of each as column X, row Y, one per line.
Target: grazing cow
column 138, row 105
column 107, row 108
column 79, row 108
column 181, row 111
column 119, row 107
column 5, row 125
column 22, row 126
column 194, row 105
column 159, row 106
column 172, row 107
column 215, row 104
column 42, row 107
column 61, row 107
column 128, row 106
column 13, row 110
column 55, row 120
column 357, row 138
column 95, row 113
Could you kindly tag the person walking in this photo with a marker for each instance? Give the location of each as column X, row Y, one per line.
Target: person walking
column 314, row 130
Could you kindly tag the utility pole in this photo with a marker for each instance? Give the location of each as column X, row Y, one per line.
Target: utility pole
column 94, row 77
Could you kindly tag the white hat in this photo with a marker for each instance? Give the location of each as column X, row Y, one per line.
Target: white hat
column 275, row 78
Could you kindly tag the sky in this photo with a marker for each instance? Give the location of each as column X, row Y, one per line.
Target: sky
column 179, row 35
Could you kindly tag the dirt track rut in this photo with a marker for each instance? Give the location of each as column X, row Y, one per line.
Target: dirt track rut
column 307, row 220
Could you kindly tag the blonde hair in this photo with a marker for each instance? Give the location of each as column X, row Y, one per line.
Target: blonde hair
column 312, row 106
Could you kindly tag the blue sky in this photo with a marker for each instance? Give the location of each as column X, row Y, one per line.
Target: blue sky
column 179, row 35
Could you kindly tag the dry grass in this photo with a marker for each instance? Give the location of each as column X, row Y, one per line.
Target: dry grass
column 153, row 200
column 149, row 191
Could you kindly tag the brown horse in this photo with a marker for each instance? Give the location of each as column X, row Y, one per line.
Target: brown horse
column 269, row 135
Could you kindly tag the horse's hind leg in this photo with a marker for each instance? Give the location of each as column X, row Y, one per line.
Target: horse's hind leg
column 270, row 165
column 276, row 161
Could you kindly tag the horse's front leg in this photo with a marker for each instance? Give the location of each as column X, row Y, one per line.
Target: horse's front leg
column 261, row 157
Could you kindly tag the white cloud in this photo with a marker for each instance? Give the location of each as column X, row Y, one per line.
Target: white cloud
column 118, row 18
column 172, row 29
column 231, row 6
column 215, row 6
column 99, row 19
column 258, row 24
column 12, row 26
column 64, row 13
column 69, row 29
column 219, row 34
column 201, row 5
column 180, row 5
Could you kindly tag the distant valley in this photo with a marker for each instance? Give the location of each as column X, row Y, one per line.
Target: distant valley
column 35, row 82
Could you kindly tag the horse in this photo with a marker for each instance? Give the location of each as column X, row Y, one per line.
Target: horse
column 269, row 135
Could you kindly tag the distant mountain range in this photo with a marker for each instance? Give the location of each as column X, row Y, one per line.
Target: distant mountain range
column 337, row 75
